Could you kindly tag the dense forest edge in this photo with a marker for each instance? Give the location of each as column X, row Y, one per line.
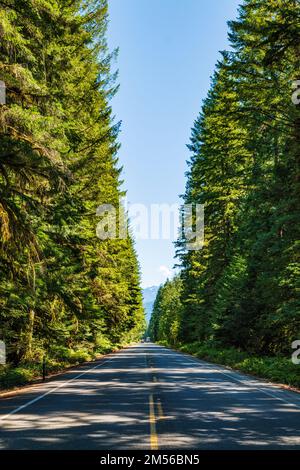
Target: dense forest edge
column 236, row 301
column 65, row 295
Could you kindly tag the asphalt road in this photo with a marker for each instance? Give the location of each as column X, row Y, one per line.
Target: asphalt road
column 147, row 397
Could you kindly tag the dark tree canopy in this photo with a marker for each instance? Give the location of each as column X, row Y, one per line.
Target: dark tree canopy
column 60, row 286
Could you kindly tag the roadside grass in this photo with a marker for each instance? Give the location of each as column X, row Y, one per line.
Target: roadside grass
column 61, row 359
column 276, row 369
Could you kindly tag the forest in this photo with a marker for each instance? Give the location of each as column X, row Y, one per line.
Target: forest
column 64, row 293
column 236, row 301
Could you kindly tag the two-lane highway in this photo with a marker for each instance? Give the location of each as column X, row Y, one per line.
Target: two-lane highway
column 147, row 396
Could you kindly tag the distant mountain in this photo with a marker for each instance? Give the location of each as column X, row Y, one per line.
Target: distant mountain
column 149, row 295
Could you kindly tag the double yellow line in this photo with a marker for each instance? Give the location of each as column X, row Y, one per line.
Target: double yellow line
column 153, row 420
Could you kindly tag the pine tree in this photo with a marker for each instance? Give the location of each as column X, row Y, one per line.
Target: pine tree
column 242, row 287
column 218, row 180
column 167, row 310
column 60, row 285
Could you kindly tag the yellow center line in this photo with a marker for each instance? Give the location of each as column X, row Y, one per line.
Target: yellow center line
column 152, row 420
column 160, row 409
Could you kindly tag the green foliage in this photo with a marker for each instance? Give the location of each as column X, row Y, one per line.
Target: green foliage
column 26, row 372
column 60, row 286
column 276, row 369
column 166, row 316
column 242, row 288
column 15, row 377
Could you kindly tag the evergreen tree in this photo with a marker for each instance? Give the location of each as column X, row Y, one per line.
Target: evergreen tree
column 242, row 288
column 60, row 285
column 167, row 310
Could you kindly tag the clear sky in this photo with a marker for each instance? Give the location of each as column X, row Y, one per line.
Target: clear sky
column 168, row 50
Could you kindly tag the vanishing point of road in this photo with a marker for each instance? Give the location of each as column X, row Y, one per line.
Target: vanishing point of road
column 150, row 397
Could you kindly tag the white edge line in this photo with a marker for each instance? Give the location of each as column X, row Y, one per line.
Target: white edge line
column 234, row 379
column 16, row 410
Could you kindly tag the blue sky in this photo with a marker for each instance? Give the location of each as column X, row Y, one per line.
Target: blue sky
column 168, row 50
